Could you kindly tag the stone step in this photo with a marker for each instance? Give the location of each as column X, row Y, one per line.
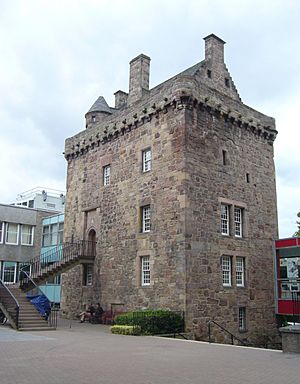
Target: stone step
column 35, row 329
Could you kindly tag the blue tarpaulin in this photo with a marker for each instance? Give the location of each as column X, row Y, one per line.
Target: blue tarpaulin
column 41, row 303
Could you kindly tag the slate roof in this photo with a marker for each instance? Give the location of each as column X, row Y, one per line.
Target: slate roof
column 100, row 105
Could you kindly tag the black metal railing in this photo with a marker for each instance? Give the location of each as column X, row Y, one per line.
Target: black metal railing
column 296, row 306
column 232, row 336
column 51, row 262
column 50, row 314
column 9, row 305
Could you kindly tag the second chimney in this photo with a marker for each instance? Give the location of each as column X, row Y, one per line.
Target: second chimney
column 138, row 77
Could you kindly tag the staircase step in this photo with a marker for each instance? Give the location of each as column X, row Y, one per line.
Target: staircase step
column 35, row 329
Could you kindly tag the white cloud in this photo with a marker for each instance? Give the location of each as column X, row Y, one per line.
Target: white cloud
column 58, row 56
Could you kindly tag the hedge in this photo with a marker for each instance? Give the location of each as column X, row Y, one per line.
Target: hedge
column 153, row 322
column 126, row 329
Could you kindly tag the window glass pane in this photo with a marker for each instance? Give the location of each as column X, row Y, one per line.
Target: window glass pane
column 46, row 236
column 146, row 218
column 145, row 270
column 54, row 233
column 238, row 222
column 27, row 235
column 9, row 272
column 106, row 175
column 1, row 231
column 147, row 160
column 242, row 318
column 240, row 271
column 226, row 270
column 224, row 219
column 12, row 233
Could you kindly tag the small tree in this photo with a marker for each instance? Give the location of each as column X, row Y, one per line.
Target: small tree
column 297, row 233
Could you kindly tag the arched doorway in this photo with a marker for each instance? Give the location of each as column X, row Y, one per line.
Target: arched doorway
column 92, row 239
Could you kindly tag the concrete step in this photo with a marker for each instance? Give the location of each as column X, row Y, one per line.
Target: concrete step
column 35, row 329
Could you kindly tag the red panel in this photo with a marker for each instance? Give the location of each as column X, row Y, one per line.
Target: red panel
column 285, row 307
column 292, row 242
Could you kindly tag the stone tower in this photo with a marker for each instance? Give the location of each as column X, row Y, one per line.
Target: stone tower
column 178, row 185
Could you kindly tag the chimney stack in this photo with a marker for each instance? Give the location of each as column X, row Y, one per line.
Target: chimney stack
column 214, row 49
column 138, row 77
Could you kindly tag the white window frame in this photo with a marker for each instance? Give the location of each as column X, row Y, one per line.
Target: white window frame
column 242, row 319
column 146, row 219
column 89, row 272
column 7, row 231
column 225, row 219
column 240, row 271
column 147, row 160
column 30, row 234
column 106, row 175
column 226, row 271
column 1, row 231
column 238, row 222
column 4, row 270
column 145, row 271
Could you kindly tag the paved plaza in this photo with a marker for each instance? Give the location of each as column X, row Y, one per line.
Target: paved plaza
column 88, row 354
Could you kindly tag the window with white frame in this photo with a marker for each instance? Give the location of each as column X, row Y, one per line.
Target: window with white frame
column 12, row 233
column 240, row 271
column 242, row 319
column 238, row 223
column 225, row 219
column 145, row 270
column 147, row 160
column 27, row 232
column 226, row 271
column 1, row 231
column 106, row 175
column 146, row 218
column 9, row 272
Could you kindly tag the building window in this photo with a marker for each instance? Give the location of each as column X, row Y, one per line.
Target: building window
column 12, row 233
column 145, row 270
column 242, row 319
column 53, row 234
column 9, row 272
column 240, row 271
column 227, row 83
column 106, row 175
column 87, row 274
column 147, row 160
column 225, row 219
column 209, row 73
column 27, row 234
column 31, row 203
column 1, row 231
column 226, row 271
column 146, row 218
column 238, row 222
column 224, row 157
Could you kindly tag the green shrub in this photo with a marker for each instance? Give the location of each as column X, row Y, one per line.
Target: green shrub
column 152, row 322
column 126, row 329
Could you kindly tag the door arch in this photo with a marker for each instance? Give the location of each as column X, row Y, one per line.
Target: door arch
column 92, row 239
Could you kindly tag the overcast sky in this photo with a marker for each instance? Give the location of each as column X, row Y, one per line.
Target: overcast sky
column 58, row 56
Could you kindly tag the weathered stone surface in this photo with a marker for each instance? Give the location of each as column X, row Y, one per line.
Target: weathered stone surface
column 187, row 121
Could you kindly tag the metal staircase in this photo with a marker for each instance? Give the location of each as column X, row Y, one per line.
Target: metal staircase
column 14, row 303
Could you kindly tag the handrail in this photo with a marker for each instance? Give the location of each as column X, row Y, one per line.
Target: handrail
column 49, row 261
column 225, row 330
column 6, row 300
column 36, row 290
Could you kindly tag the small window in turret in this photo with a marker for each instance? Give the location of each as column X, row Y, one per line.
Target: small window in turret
column 224, row 157
column 227, row 83
column 209, row 73
column 93, row 119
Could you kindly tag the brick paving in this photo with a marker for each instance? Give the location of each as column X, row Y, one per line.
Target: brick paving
column 88, row 353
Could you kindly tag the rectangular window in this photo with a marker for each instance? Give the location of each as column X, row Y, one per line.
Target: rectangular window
column 238, row 223
column 147, row 160
column 88, row 274
column 145, row 269
column 226, row 271
column 46, row 242
column 9, row 270
column 12, row 233
column 60, row 239
column 27, row 234
column 106, row 175
column 242, row 319
column 225, row 219
column 1, row 231
column 240, row 271
column 146, row 218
